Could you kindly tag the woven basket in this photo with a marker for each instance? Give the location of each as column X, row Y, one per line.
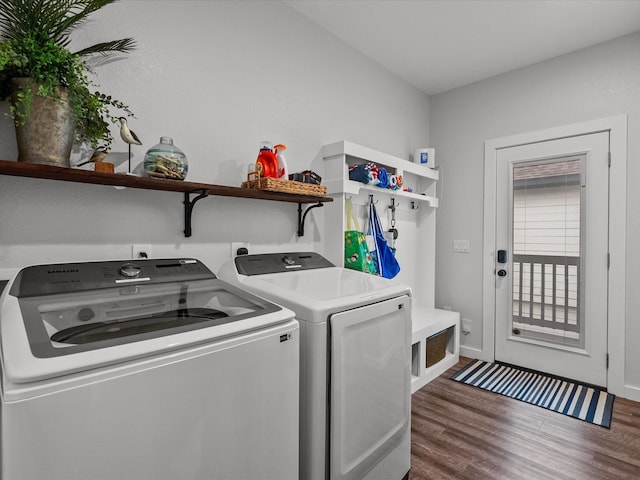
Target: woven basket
column 285, row 186
column 436, row 347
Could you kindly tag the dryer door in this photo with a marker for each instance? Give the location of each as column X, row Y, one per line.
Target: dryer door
column 370, row 386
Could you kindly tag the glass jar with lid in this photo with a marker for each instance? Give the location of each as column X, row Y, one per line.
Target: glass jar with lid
column 165, row 160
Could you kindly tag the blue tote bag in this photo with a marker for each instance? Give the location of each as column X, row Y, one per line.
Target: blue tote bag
column 388, row 266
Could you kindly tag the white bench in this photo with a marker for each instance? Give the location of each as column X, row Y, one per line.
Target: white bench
column 425, row 323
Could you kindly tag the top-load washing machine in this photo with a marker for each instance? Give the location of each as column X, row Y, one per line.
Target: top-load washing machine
column 147, row 370
column 355, row 362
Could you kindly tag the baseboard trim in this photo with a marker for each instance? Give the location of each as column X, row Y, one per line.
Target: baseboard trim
column 630, row 392
column 473, row 353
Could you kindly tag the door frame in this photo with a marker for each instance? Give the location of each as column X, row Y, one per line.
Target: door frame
column 616, row 295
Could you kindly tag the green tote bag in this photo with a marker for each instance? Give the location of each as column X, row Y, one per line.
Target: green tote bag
column 356, row 252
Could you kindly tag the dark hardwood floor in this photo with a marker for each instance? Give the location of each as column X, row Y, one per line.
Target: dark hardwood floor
column 463, row 432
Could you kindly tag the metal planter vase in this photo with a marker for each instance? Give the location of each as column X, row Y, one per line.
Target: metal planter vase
column 48, row 131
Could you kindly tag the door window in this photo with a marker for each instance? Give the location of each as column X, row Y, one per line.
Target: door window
column 547, row 237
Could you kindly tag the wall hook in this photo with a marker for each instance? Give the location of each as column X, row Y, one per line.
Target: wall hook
column 371, row 200
column 414, row 206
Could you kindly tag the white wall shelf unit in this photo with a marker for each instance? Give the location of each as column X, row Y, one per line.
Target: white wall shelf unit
column 340, row 155
column 336, row 159
column 416, row 241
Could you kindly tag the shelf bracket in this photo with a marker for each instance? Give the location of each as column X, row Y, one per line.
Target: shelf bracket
column 188, row 208
column 302, row 217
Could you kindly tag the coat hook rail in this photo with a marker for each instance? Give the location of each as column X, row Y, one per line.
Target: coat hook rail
column 302, row 217
column 188, row 208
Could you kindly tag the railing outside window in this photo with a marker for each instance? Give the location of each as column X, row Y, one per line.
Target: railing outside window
column 546, row 291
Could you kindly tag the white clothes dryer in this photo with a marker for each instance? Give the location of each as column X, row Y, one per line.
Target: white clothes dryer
column 147, row 370
column 355, row 412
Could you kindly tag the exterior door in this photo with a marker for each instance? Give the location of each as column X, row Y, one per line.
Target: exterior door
column 552, row 262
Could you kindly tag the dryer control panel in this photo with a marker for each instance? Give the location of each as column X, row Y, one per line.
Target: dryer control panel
column 280, row 262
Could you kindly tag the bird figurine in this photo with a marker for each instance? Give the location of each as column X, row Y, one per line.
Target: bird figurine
column 97, row 156
column 128, row 136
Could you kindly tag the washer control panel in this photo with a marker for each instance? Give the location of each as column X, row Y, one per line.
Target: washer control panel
column 280, row 262
column 77, row 277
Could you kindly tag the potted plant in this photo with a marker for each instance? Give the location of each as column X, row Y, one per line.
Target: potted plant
column 51, row 99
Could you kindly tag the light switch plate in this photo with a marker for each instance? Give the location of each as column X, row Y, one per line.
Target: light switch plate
column 461, row 246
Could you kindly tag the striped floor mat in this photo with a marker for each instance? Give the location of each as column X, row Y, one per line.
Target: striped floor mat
column 564, row 396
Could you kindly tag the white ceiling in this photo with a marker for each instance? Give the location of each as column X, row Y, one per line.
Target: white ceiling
column 437, row 45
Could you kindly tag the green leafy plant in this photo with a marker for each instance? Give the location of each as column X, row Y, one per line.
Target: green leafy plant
column 34, row 40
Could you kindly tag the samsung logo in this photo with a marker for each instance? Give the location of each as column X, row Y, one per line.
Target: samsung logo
column 74, row 270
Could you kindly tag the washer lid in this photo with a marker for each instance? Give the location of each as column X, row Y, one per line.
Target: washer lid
column 45, row 335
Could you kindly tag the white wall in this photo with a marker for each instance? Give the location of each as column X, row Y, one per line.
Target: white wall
column 218, row 77
column 594, row 83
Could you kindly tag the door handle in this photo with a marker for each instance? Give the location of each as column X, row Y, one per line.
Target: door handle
column 502, row 256
column 502, row 272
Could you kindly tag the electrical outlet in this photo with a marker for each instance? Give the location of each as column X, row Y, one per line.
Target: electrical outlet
column 466, row 325
column 140, row 251
column 235, row 246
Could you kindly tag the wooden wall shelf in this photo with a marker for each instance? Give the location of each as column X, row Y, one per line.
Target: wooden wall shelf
column 201, row 190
